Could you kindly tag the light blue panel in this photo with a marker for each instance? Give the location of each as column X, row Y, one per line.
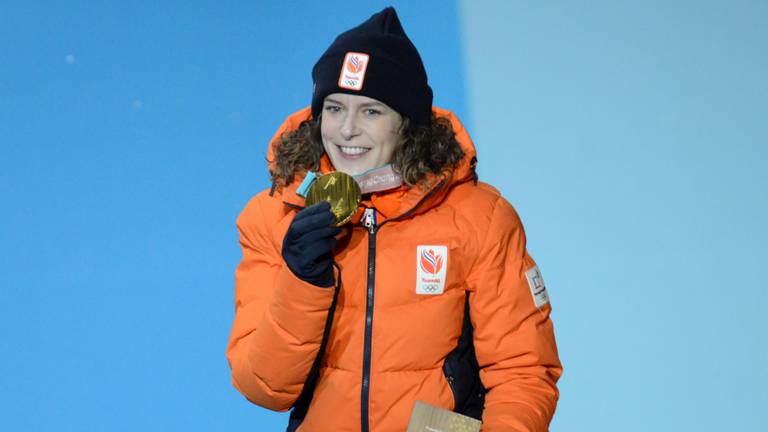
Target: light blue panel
column 131, row 135
column 631, row 137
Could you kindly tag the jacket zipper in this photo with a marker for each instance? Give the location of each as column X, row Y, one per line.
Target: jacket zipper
column 370, row 224
column 369, row 221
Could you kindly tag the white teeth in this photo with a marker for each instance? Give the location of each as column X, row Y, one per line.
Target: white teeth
column 353, row 150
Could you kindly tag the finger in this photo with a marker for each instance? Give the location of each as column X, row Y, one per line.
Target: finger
column 318, row 249
column 310, row 223
column 317, row 234
column 324, row 261
column 320, row 207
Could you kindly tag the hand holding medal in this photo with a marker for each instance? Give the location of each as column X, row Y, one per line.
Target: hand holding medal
column 340, row 190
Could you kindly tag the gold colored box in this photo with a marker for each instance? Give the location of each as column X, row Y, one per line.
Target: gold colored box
column 428, row 418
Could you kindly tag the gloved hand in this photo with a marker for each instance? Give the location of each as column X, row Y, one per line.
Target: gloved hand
column 309, row 242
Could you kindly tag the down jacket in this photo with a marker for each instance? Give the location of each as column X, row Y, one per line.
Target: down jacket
column 440, row 265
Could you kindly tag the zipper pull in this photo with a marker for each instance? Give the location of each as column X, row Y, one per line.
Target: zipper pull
column 369, row 219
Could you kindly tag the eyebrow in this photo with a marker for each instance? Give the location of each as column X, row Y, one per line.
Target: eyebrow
column 372, row 104
column 362, row 105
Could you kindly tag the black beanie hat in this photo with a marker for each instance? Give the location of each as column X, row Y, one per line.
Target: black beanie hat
column 375, row 59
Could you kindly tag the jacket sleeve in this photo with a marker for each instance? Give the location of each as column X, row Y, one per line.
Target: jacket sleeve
column 279, row 319
column 514, row 339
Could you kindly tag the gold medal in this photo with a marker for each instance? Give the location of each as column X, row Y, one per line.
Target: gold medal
column 340, row 190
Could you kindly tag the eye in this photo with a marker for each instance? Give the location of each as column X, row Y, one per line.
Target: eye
column 332, row 108
column 372, row 112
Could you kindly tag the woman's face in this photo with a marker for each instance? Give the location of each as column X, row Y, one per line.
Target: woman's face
column 359, row 133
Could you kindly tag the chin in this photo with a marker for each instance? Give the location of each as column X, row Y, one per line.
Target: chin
column 351, row 169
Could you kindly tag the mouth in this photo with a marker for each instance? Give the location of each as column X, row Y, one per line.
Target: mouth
column 352, row 152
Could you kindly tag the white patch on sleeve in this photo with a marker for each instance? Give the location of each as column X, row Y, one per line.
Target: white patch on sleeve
column 536, row 283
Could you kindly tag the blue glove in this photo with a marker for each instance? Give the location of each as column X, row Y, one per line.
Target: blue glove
column 309, row 242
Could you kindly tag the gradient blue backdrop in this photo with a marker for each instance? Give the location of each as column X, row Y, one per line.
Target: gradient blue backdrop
column 631, row 137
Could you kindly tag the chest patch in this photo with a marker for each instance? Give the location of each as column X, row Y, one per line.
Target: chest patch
column 536, row 283
column 431, row 266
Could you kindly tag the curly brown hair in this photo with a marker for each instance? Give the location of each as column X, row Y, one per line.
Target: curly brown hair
column 422, row 150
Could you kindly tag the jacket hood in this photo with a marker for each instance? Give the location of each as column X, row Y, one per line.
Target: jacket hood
column 400, row 201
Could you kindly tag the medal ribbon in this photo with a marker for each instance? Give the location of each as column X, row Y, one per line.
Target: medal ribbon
column 378, row 179
column 375, row 180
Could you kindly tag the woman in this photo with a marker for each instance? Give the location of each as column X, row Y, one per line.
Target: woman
column 427, row 294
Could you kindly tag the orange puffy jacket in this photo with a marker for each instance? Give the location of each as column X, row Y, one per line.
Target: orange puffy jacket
column 398, row 312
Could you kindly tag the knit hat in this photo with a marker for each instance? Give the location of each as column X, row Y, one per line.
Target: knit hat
column 375, row 59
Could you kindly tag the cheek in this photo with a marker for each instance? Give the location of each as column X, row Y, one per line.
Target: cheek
column 392, row 140
column 328, row 124
column 325, row 133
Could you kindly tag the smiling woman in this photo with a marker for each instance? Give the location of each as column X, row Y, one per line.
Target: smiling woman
column 427, row 296
column 359, row 133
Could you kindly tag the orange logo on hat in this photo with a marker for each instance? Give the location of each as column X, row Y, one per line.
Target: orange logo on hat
column 353, row 71
column 355, row 65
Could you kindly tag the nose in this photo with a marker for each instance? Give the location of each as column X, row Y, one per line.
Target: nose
column 349, row 127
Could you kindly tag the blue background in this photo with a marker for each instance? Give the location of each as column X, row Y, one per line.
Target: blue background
column 631, row 137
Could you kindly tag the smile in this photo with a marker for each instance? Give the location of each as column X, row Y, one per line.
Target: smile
column 352, row 151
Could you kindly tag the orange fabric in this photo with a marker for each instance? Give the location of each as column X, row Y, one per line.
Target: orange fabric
column 279, row 319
